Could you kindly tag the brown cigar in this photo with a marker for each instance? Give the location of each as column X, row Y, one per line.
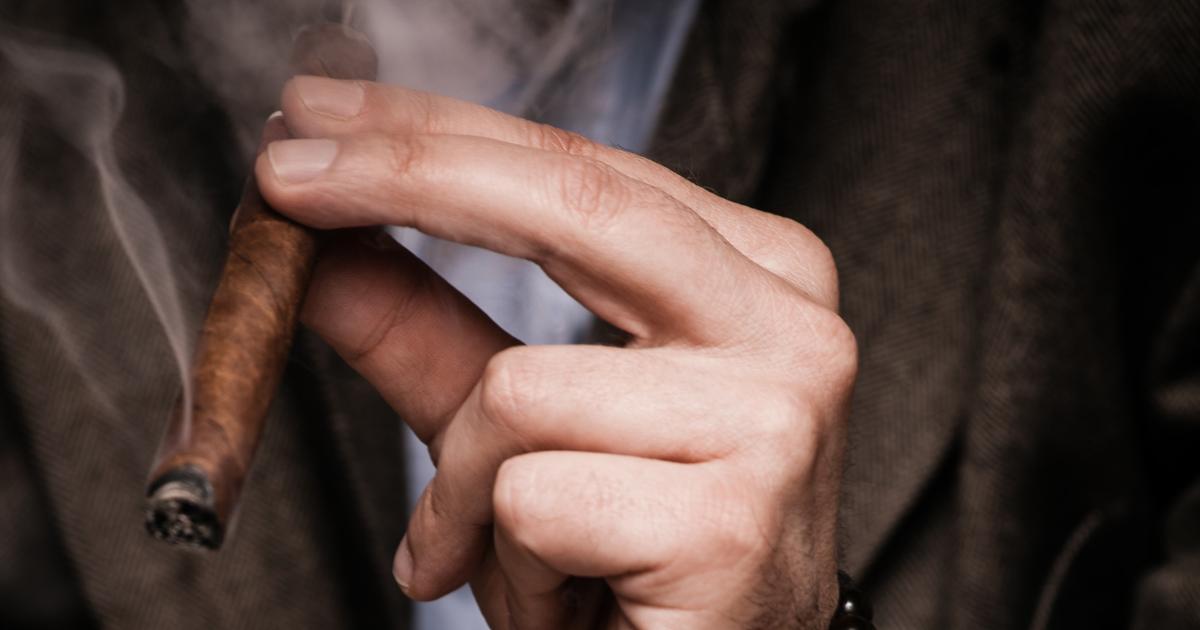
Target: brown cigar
column 246, row 336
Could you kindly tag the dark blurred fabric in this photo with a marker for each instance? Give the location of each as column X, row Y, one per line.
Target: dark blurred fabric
column 1011, row 191
column 323, row 508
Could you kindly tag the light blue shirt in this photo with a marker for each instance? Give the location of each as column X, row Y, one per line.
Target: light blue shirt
column 603, row 73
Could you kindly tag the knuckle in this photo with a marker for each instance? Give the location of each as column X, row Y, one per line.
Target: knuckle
column 591, row 193
column 509, row 387
column 783, row 432
column 562, row 141
column 405, row 153
column 801, row 258
column 779, row 421
column 524, row 505
column 812, row 335
column 823, row 270
column 433, row 508
column 839, row 348
column 509, row 501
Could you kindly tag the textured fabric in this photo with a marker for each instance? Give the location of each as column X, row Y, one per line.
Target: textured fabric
column 1012, row 193
column 89, row 378
column 1011, row 190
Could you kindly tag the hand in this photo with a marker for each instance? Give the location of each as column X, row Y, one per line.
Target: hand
column 687, row 480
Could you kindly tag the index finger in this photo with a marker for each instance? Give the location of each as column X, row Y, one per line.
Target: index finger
column 630, row 253
column 317, row 107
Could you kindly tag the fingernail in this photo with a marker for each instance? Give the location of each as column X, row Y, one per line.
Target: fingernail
column 402, row 567
column 274, row 130
column 339, row 99
column 296, row 161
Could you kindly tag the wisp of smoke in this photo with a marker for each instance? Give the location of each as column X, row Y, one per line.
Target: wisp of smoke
column 81, row 94
column 501, row 53
column 524, row 57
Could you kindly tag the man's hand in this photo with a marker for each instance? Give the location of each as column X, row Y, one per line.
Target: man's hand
column 687, row 480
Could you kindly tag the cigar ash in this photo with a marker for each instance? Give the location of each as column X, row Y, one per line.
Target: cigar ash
column 180, row 510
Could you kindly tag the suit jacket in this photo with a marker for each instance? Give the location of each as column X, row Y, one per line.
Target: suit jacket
column 1010, row 190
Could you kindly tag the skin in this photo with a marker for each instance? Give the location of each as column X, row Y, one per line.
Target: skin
column 689, row 479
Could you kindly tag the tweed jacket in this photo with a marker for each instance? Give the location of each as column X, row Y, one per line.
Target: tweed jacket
column 1010, row 188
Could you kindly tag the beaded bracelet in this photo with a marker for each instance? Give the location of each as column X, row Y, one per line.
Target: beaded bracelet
column 854, row 610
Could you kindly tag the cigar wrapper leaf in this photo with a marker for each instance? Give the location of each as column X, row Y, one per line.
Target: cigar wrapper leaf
column 246, row 337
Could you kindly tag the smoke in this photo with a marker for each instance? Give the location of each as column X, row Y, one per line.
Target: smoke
column 512, row 55
column 522, row 57
column 501, row 53
column 506, row 54
column 240, row 50
column 596, row 67
column 55, row 250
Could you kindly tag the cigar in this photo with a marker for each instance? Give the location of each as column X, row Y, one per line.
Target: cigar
column 245, row 340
